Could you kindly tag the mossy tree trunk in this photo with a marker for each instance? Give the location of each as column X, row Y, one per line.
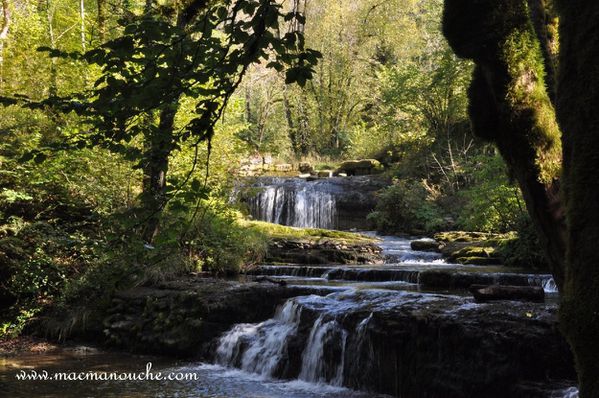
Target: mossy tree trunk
column 578, row 114
column 512, row 43
column 510, row 105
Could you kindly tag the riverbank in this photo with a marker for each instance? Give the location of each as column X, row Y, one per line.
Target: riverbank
column 14, row 346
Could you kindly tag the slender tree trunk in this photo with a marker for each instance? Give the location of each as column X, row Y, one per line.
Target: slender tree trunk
column 83, row 36
column 101, row 7
column 158, row 147
column 578, row 113
column 293, row 136
column 53, row 89
column 82, row 26
column 6, row 20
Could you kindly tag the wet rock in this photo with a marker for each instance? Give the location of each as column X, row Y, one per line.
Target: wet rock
column 475, row 255
column 471, row 248
column 447, row 349
column 425, row 245
column 181, row 318
column 410, row 344
column 353, row 198
column 451, row 279
column 323, row 251
column 484, row 293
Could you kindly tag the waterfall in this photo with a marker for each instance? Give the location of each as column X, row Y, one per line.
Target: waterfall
column 267, row 348
column 295, row 203
column 324, row 336
column 259, row 348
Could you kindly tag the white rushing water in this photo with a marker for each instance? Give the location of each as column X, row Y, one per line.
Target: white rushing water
column 263, row 348
column 297, row 204
column 266, row 342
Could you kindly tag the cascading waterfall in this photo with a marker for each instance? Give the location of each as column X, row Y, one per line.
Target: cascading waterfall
column 295, row 203
column 259, row 348
column 326, row 338
column 265, row 348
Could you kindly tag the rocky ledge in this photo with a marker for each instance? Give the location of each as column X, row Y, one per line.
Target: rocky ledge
column 323, row 251
column 181, row 318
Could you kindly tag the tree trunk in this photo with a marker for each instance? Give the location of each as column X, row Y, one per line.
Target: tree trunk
column 544, row 22
column 101, row 20
column 82, row 24
column 53, row 89
column 158, row 147
column 293, row 136
column 509, row 106
column 577, row 108
column 3, row 36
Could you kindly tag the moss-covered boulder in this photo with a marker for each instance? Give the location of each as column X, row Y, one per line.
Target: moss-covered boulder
column 316, row 246
column 475, row 255
column 472, row 248
column 425, row 245
column 359, row 167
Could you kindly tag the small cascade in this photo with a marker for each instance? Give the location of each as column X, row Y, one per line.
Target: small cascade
column 259, row 348
column 309, row 324
column 545, row 281
column 295, row 203
column 325, row 347
column 398, row 250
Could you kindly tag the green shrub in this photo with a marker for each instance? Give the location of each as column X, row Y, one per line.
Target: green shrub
column 406, row 206
column 220, row 243
column 492, row 203
column 524, row 250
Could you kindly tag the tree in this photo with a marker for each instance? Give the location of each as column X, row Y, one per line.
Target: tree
column 513, row 104
column 201, row 50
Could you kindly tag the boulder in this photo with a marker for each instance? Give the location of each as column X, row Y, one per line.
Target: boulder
column 324, row 173
column 425, row 245
column 182, row 317
column 322, row 251
column 305, row 168
column 284, row 167
column 475, row 255
column 484, row 293
column 360, row 167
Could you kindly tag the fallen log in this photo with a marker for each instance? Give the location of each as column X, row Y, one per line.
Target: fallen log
column 484, row 293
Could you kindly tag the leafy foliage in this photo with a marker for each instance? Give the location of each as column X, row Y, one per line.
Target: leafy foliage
column 406, row 206
column 493, row 203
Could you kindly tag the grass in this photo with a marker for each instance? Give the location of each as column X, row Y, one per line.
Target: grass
column 276, row 231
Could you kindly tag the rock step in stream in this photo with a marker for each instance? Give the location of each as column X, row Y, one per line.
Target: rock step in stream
column 433, row 278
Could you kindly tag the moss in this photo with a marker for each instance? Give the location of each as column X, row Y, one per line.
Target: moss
column 313, row 234
column 510, row 106
column 466, row 236
column 475, row 251
column 474, row 260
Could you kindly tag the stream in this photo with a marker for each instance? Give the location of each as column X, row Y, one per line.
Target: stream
column 317, row 345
